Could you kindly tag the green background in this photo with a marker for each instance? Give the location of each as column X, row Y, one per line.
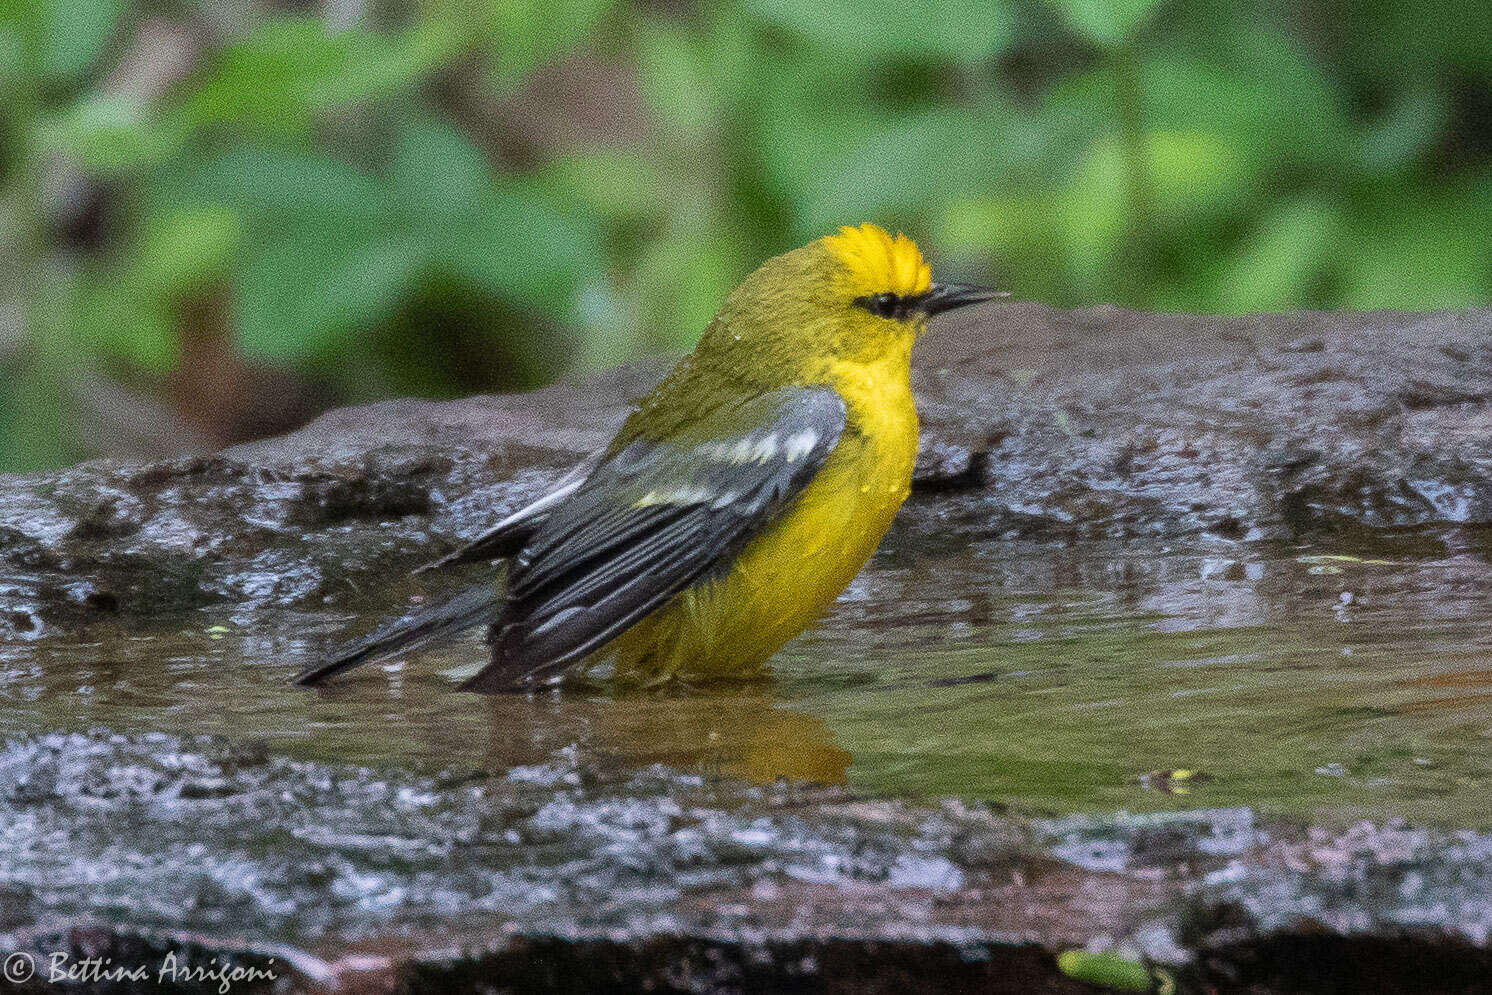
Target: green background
column 217, row 218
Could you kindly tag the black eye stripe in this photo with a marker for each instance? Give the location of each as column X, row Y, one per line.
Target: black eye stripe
column 891, row 306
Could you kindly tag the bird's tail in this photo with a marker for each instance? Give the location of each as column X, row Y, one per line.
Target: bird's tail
column 476, row 605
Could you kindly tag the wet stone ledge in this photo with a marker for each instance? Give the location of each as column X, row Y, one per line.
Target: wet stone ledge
column 577, row 875
column 1038, row 423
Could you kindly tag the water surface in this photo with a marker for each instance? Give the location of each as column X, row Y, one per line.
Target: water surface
column 1336, row 681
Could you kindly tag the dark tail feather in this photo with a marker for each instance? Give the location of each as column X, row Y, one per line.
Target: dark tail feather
column 474, row 606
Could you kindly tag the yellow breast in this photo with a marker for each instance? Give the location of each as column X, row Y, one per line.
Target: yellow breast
column 786, row 577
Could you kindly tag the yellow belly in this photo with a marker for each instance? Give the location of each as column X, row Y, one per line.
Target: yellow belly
column 785, row 578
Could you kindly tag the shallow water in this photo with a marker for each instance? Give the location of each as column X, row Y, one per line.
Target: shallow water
column 1336, row 681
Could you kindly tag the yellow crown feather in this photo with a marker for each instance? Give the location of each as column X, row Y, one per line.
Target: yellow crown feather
column 879, row 263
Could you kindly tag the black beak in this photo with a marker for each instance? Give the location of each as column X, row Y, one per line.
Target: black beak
column 942, row 297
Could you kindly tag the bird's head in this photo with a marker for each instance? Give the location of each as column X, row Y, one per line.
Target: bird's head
column 857, row 295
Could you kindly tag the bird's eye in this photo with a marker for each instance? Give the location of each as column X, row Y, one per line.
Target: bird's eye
column 881, row 305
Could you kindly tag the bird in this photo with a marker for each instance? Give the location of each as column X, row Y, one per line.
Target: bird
column 736, row 502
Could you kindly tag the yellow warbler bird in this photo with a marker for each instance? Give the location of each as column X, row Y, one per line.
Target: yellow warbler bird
column 738, row 500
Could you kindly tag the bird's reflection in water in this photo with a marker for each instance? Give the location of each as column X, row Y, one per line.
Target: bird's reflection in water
column 739, row 732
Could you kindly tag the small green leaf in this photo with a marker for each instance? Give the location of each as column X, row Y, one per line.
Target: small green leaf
column 1105, row 969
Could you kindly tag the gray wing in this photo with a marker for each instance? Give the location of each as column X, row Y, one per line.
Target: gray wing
column 649, row 522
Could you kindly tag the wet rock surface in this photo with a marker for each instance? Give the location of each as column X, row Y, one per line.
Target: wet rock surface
column 1037, row 423
column 1110, row 422
column 578, row 871
column 576, row 875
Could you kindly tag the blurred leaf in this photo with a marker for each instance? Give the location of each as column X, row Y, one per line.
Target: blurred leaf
column 183, row 249
column 798, row 149
column 888, row 170
column 1403, row 42
column 73, row 33
column 34, row 430
column 680, row 281
column 1096, row 215
column 677, row 78
column 527, row 33
column 1295, row 244
column 12, row 53
column 331, row 250
column 521, row 245
column 1278, row 70
column 696, row 76
column 1016, row 230
column 962, row 31
column 612, row 184
column 292, row 68
column 378, row 65
column 268, row 183
column 275, row 80
column 1105, row 22
column 1419, row 253
column 437, row 168
column 1402, row 134
column 122, row 324
column 1259, row 105
column 322, row 251
column 109, row 133
column 1194, row 174
column 313, row 287
column 811, row 109
column 1184, row 177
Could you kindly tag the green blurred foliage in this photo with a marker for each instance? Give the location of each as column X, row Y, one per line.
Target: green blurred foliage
column 1107, row 969
column 443, row 196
